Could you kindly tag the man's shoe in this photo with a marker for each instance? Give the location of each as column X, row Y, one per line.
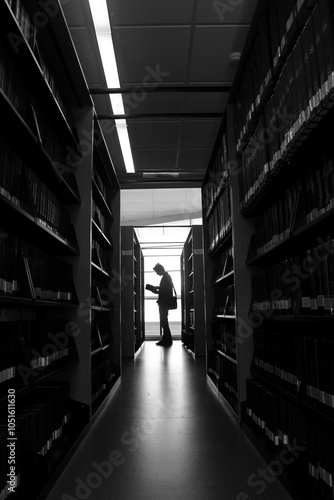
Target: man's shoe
column 164, row 343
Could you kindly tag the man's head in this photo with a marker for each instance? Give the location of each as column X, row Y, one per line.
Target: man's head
column 159, row 269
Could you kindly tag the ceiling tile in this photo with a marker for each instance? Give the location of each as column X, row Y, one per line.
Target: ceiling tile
column 154, row 103
column 206, row 102
column 154, row 160
column 151, row 55
column 211, row 48
column 148, row 12
column 199, row 133
column 194, row 159
column 154, row 134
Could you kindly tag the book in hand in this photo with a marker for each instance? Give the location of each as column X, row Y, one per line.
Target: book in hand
column 151, row 288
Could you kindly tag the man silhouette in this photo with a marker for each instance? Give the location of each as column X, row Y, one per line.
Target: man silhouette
column 165, row 295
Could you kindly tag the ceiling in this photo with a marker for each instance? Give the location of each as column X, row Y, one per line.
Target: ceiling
column 175, row 75
column 142, row 207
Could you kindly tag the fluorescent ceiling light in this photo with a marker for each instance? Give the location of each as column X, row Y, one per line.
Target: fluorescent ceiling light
column 100, row 16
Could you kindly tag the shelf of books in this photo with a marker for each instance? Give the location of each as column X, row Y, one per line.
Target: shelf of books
column 282, row 115
column 192, row 293
column 45, row 248
column 105, row 279
column 133, row 325
column 226, row 237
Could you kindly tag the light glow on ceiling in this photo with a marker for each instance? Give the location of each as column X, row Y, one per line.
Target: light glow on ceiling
column 102, row 27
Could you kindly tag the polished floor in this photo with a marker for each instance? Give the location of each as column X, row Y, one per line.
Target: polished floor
column 164, row 435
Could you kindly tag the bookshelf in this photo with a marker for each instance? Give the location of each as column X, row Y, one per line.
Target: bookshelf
column 105, row 273
column 279, row 170
column 192, row 293
column 226, row 239
column 133, row 325
column 47, row 312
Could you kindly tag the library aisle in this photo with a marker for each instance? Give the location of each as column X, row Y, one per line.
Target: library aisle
column 164, row 435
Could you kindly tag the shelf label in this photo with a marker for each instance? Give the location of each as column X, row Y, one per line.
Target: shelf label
column 126, row 252
column 198, row 251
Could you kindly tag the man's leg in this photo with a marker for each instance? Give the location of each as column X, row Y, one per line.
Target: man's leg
column 167, row 336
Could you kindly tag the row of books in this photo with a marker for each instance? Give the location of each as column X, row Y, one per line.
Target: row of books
column 224, row 375
column 11, row 174
column 219, row 222
column 51, row 278
column 13, row 85
column 216, row 177
column 101, row 335
column 27, row 105
column 49, row 211
column 22, row 186
column 64, row 159
column 40, row 418
column 100, row 184
column 8, row 358
column 275, row 223
column 276, row 29
column 321, row 458
column 24, row 20
column 223, row 264
column 310, row 273
column 102, row 294
column 297, row 360
column 30, row 348
column 286, row 427
column 98, row 217
column 315, row 189
column 278, row 355
column 45, row 343
column 301, row 93
column 319, row 377
column 224, row 301
column 255, row 80
column 309, row 70
column 27, row 271
column 278, row 421
column 100, row 256
column 102, row 377
column 28, row 22
column 224, row 338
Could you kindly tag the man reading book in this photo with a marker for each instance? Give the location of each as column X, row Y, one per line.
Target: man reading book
column 165, row 296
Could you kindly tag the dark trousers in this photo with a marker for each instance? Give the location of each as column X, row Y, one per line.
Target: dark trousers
column 163, row 311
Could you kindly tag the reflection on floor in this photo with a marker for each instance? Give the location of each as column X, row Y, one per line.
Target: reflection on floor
column 152, row 330
column 164, row 435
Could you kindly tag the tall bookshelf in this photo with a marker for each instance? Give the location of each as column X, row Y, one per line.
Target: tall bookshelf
column 133, row 320
column 105, row 273
column 192, row 293
column 49, row 142
column 281, row 178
